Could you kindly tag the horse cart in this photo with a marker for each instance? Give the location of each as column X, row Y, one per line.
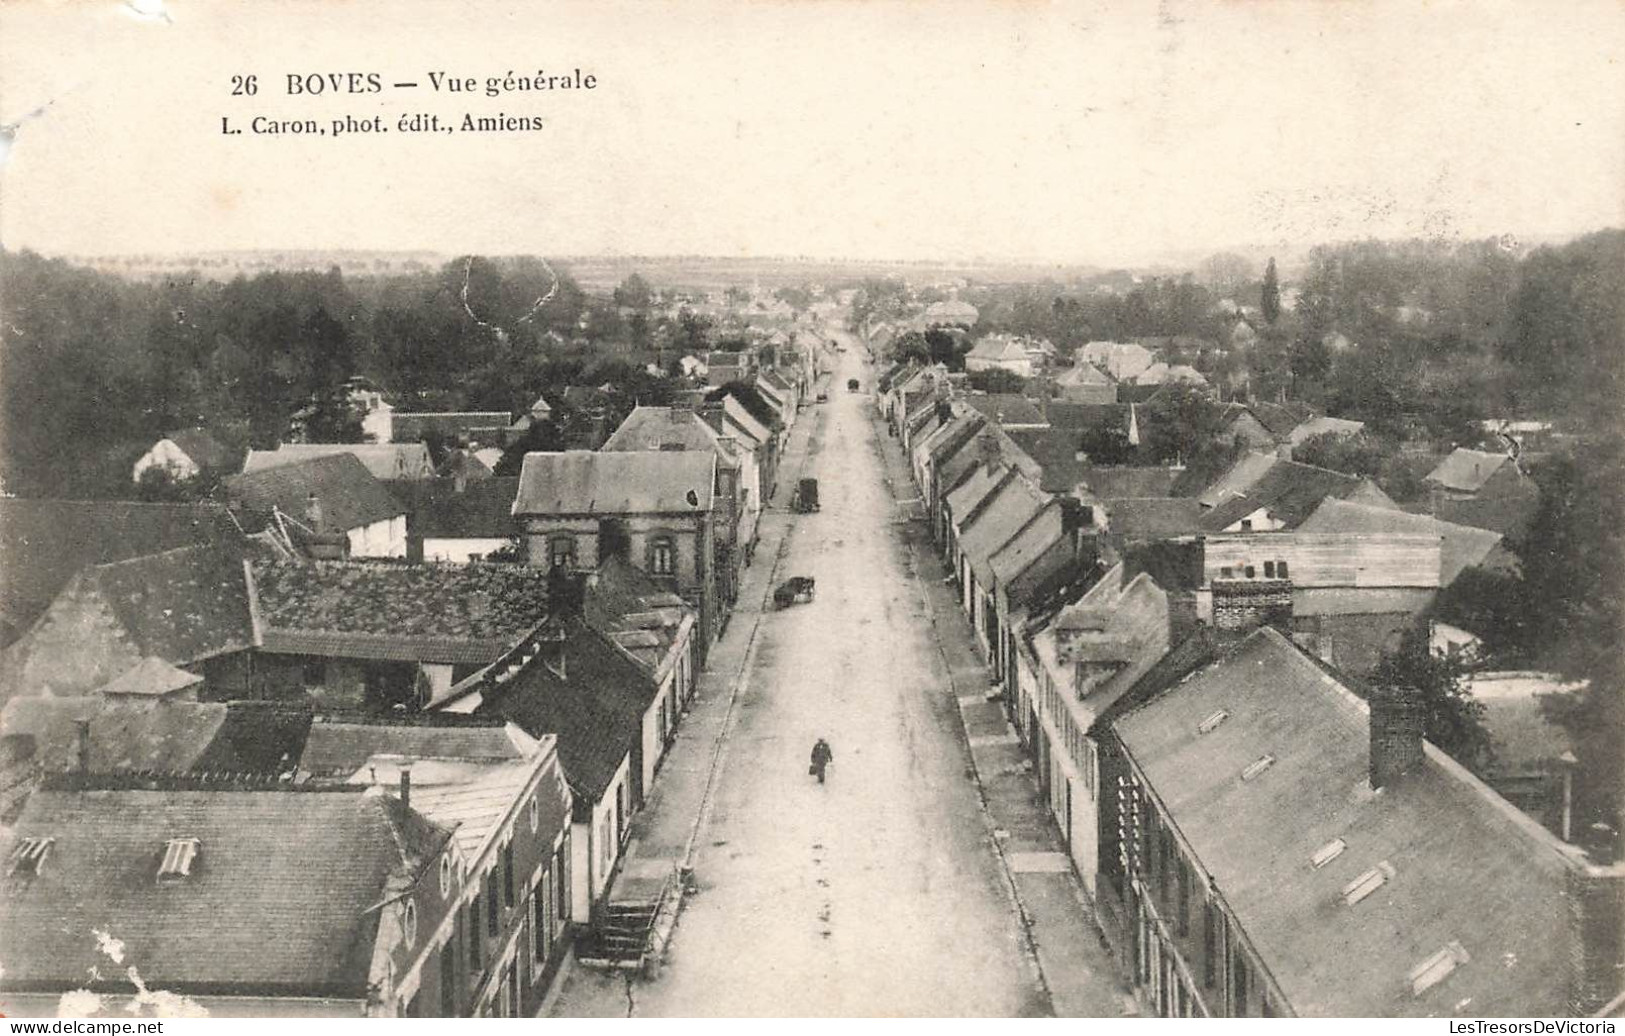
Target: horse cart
column 793, row 590
column 804, row 499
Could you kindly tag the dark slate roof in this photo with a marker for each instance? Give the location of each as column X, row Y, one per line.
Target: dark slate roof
column 626, row 604
column 1280, row 418
column 206, row 451
column 1005, row 407
column 1467, row 470
column 349, row 496
column 1001, row 517
column 1468, row 869
column 1152, row 518
column 383, row 460
column 279, row 900
column 596, row 709
column 43, row 543
column 1080, row 416
column 125, row 735
column 581, row 482
column 435, row 509
column 340, row 746
column 1290, row 490
column 184, row 605
column 431, row 613
column 765, row 413
column 484, row 426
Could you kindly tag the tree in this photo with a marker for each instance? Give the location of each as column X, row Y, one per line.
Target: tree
column 997, row 380
column 634, row 292
column 1270, row 299
column 1454, row 720
column 1226, row 272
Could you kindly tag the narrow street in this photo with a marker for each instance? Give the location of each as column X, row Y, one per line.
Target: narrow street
column 880, row 892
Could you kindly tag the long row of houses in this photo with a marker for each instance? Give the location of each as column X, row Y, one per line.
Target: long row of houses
column 254, row 761
column 1259, row 831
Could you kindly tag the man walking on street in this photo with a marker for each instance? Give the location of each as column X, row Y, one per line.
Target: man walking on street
column 821, row 758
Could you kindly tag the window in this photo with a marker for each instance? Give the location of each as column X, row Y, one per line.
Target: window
column 1257, row 767
column 1226, row 572
column 1269, row 570
column 474, row 938
column 1246, row 525
column 448, row 980
column 445, row 875
column 409, row 923
column 493, row 912
column 1437, row 968
column 1327, row 853
column 507, row 875
column 1238, row 985
column 561, row 552
column 178, row 856
column 1209, row 725
column 28, row 859
column 1367, row 883
column 1251, row 572
column 662, row 556
column 535, row 814
column 561, row 883
column 541, row 920
column 1280, row 569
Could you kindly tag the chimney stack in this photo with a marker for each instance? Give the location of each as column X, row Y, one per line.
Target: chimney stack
column 313, row 513
column 406, row 786
column 1398, row 720
column 1596, row 898
column 81, row 731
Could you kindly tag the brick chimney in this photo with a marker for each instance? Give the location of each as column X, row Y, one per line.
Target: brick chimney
column 1398, row 720
column 1596, row 898
column 406, row 786
column 313, row 513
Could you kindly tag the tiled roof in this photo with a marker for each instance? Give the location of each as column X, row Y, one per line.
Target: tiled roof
column 1041, row 532
column 384, row 461
column 1006, row 407
column 1462, row 546
column 1291, row 491
column 1083, row 374
column 978, row 482
column 436, row 613
column 1152, row 518
column 435, row 509
column 1467, row 470
column 997, row 347
column 671, row 429
column 625, row 602
column 350, row 497
column 475, row 800
column 43, row 543
column 182, row 606
column 125, row 735
column 481, row 426
column 205, row 450
column 580, row 482
column 1079, row 416
column 1466, row 867
column 596, row 709
column 151, row 678
column 1280, row 418
column 279, row 901
column 339, row 746
column 1009, row 509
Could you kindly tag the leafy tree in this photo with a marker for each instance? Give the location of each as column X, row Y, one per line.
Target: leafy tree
column 1455, row 720
column 997, row 380
column 1226, row 272
column 1107, row 445
column 634, row 292
column 1270, row 298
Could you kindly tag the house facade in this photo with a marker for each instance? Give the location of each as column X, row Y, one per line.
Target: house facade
column 655, row 510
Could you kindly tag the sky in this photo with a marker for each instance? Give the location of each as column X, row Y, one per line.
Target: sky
column 865, row 129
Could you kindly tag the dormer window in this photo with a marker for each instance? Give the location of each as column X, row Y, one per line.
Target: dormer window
column 1257, row 767
column 28, row 859
column 1327, row 853
column 446, row 873
column 409, row 923
column 1437, row 968
column 662, row 556
column 561, row 552
column 1367, row 883
column 179, row 854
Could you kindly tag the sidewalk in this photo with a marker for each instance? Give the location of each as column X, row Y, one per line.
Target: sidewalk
column 1075, row 965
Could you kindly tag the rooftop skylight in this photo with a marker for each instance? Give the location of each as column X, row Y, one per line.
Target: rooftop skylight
column 1437, row 968
column 1327, row 853
column 1367, row 883
column 1257, row 767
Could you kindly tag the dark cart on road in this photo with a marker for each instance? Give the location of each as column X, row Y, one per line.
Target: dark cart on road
column 805, row 497
column 796, row 588
column 851, row 384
